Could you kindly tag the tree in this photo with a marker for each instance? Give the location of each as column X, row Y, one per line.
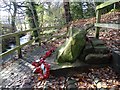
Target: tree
column 83, row 9
column 88, row 9
column 67, row 11
column 76, row 10
column 40, row 10
column 32, row 17
column 14, row 16
column 117, row 5
column 11, row 7
column 50, row 14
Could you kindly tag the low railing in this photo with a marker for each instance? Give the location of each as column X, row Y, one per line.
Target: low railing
column 17, row 37
column 98, row 17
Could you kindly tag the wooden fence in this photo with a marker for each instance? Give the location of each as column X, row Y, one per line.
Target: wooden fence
column 98, row 16
column 17, row 37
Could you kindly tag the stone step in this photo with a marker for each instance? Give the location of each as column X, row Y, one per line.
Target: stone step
column 98, row 58
column 96, row 49
column 101, row 49
column 98, row 46
column 97, row 42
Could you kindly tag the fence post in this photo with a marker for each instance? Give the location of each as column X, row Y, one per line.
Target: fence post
column 98, row 16
column 18, row 44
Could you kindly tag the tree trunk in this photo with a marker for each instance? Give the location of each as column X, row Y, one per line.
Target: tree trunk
column 67, row 11
column 32, row 17
column 13, row 17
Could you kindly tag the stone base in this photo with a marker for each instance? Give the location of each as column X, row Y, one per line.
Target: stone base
column 97, row 58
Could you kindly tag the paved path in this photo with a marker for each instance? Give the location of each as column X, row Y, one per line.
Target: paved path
column 16, row 73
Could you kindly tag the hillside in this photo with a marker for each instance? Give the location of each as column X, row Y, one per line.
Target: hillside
column 111, row 37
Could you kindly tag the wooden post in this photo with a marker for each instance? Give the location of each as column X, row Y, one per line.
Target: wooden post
column 18, row 44
column 98, row 16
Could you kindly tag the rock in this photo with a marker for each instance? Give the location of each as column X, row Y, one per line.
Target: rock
column 97, row 42
column 72, row 48
column 101, row 49
column 25, row 86
column 96, row 49
column 97, row 58
column 46, row 87
column 71, row 84
column 104, row 85
column 72, row 87
column 99, row 85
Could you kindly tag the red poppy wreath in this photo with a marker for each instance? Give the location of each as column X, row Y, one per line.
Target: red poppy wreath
column 42, row 68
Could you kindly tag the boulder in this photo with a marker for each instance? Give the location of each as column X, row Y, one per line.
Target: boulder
column 73, row 46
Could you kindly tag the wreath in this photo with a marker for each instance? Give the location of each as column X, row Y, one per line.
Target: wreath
column 42, row 68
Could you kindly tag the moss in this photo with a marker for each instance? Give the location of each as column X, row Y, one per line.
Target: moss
column 72, row 47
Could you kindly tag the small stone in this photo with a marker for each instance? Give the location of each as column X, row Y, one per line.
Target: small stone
column 49, row 84
column 104, row 85
column 71, row 81
column 71, row 87
column 45, row 87
column 92, row 86
column 25, row 86
column 39, row 83
column 96, row 81
column 99, row 85
column 62, row 86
